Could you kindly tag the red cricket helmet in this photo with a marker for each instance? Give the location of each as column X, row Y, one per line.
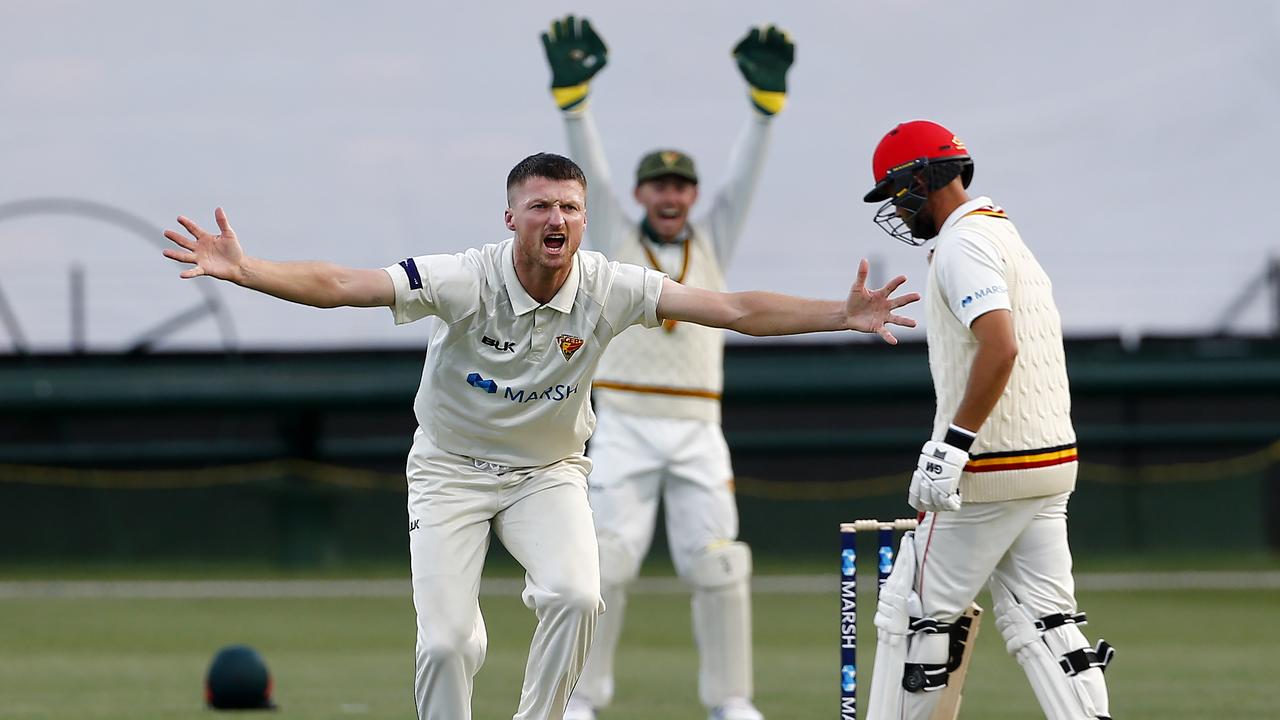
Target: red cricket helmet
column 910, row 147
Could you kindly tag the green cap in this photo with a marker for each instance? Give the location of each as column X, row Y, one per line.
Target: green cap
column 661, row 163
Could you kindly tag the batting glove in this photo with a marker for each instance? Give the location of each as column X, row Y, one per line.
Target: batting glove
column 935, row 485
column 763, row 57
column 575, row 53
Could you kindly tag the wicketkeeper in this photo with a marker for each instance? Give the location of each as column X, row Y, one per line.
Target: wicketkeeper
column 658, row 391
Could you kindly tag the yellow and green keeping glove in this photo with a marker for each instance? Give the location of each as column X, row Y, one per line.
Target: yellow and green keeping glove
column 764, row 56
column 575, row 53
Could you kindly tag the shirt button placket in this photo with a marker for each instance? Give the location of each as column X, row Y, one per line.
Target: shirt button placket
column 539, row 336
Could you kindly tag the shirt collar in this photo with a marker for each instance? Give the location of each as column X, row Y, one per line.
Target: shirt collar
column 520, row 300
column 965, row 209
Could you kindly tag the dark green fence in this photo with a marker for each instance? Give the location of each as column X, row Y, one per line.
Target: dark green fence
column 297, row 458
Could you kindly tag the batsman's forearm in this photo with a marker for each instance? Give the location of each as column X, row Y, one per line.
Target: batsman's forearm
column 318, row 284
column 765, row 314
column 988, row 377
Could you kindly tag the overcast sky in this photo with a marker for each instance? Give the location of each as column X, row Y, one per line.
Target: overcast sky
column 1133, row 143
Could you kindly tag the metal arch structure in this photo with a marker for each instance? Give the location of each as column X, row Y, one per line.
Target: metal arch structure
column 211, row 304
column 1267, row 280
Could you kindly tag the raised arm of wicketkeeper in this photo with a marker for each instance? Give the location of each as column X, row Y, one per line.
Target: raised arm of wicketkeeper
column 765, row 313
column 763, row 56
column 575, row 53
column 319, row 284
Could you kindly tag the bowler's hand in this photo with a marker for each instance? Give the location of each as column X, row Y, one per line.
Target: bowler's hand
column 871, row 311
column 935, row 485
column 217, row 256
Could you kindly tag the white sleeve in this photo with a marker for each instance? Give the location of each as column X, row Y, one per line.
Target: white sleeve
column 971, row 276
column 607, row 222
column 633, row 297
column 442, row 285
column 729, row 208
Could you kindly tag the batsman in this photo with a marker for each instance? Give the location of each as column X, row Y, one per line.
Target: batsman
column 993, row 481
column 658, row 391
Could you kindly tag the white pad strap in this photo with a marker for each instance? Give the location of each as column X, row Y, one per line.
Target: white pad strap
column 1044, row 647
column 721, row 580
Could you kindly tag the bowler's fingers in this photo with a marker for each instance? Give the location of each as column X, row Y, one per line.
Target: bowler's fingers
column 182, row 256
column 864, row 268
column 895, row 303
column 194, row 272
column 887, row 335
column 902, row 320
column 893, row 284
column 224, row 226
column 180, row 240
column 191, row 226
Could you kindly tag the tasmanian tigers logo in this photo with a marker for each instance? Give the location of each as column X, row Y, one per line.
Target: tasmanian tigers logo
column 569, row 345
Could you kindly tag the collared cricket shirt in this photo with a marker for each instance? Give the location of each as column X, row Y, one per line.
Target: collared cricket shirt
column 1027, row 446
column 506, row 379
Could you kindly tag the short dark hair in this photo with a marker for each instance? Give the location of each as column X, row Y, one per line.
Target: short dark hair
column 545, row 165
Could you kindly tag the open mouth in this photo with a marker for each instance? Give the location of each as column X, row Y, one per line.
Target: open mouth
column 554, row 242
column 669, row 213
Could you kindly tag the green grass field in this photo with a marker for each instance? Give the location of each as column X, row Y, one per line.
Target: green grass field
column 1185, row 654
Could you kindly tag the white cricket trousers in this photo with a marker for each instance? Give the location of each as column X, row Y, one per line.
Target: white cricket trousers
column 1020, row 543
column 638, row 460
column 543, row 518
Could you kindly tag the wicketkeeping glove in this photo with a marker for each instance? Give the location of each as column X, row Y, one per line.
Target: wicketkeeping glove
column 764, row 56
column 935, row 483
column 575, row 53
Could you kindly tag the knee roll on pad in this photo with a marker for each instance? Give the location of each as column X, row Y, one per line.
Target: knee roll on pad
column 618, row 565
column 1064, row 670
column 721, row 565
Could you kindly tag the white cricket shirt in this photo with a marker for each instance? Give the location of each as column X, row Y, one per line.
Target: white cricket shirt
column 1026, row 447
column 968, row 267
column 506, row 379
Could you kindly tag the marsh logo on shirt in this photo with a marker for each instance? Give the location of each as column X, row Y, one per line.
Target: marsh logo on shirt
column 553, row 393
column 981, row 293
column 569, row 345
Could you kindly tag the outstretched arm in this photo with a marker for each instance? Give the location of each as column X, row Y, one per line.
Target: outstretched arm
column 576, row 54
column 765, row 313
column 607, row 221
column 763, row 56
column 317, row 284
column 728, row 212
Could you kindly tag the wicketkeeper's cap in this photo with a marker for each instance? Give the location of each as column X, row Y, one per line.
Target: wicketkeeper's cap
column 661, row 163
column 238, row 680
